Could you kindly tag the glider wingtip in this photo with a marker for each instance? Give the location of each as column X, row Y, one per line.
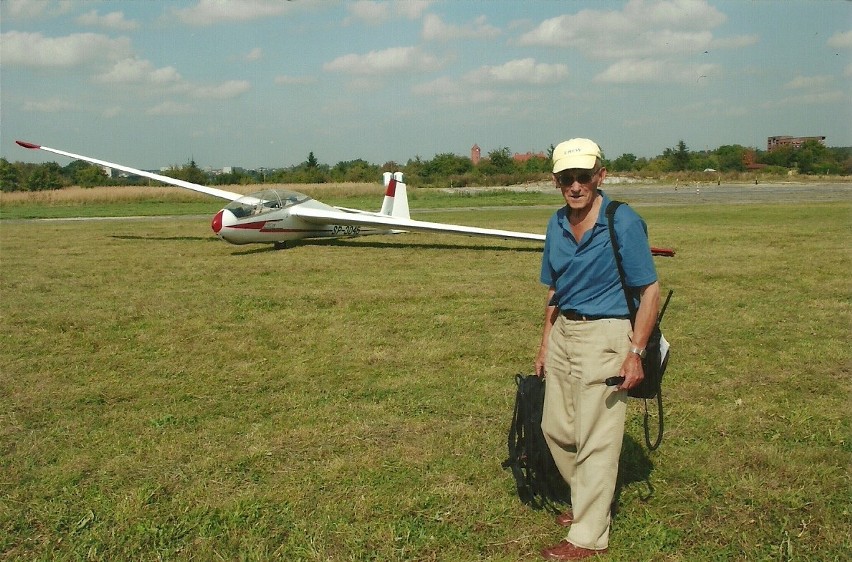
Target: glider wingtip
column 663, row 252
column 28, row 144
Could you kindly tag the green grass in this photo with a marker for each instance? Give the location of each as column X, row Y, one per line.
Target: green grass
column 167, row 396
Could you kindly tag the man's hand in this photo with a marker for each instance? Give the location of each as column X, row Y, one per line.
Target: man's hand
column 539, row 361
column 632, row 372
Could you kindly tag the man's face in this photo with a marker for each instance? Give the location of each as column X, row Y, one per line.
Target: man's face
column 579, row 187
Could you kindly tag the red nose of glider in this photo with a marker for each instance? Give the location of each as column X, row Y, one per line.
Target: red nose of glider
column 217, row 222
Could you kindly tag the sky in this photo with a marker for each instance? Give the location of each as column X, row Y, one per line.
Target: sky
column 256, row 83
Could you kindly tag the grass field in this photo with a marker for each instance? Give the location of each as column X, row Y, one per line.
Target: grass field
column 167, row 396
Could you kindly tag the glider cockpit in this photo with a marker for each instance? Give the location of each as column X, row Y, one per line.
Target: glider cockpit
column 265, row 201
column 264, row 215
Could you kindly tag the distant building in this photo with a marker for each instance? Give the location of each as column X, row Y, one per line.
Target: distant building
column 521, row 158
column 796, row 142
column 475, row 154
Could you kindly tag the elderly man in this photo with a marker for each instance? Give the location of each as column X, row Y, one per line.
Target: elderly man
column 587, row 337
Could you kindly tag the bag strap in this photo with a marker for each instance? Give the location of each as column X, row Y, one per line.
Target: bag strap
column 652, row 447
column 610, row 219
column 516, row 451
column 631, row 306
column 513, row 429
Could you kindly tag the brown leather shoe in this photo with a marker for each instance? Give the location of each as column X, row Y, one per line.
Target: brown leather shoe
column 567, row 551
column 565, row 518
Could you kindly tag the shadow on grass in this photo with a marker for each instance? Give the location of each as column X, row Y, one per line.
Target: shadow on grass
column 265, row 247
column 167, row 238
column 353, row 243
column 634, row 466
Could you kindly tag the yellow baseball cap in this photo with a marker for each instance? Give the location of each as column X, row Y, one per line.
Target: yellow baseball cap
column 575, row 153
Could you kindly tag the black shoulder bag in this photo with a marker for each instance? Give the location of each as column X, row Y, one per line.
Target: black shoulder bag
column 539, row 483
column 654, row 363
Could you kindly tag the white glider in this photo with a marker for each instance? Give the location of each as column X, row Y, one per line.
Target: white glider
column 282, row 217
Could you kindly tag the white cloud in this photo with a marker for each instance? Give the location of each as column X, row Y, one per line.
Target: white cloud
column 28, row 9
column 446, row 91
column 111, row 112
column 24, row 8
column 696, row 14
column 210, row 12
column 522, row 71
column 664, row 42
column 369, row 11
column 136, row 71
column 442, row 85
column 841, row 40
column 167, row 79
column 284, row 80
column 412, row 9
column 815, row 98
column 170, row 108
column 78, row 49
column 226, row 90
column 435, row 29
column 641, row 29
column 363, row 85
column 632, row 71
column 809, row 82
column 644, row 71
column 113, row 20
column 51, row 105
column 254, row 54
column 376, row 12
column 394, row 60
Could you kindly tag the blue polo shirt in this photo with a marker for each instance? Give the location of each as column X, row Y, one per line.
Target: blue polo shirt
column 584, row 273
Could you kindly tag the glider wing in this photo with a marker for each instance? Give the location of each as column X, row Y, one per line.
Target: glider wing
column 322, row 216
column 220, row 193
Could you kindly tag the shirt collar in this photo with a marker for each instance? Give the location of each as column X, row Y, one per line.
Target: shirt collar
column 604, row 204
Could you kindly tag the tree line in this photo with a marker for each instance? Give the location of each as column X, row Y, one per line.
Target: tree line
column 499, row 167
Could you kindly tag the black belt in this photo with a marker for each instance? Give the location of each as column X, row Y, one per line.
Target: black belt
column 574, row 315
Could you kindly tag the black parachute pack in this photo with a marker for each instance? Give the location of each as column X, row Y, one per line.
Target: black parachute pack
column 538, row 480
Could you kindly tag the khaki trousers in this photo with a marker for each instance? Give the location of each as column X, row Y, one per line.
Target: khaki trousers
column 583, row 419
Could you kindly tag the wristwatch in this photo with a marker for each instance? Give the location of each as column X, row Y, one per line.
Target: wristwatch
column 638, row 351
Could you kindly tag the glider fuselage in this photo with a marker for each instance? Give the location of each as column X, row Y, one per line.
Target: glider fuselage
column 266, row 217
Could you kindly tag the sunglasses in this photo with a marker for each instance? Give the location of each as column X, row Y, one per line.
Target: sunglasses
column 566, row 179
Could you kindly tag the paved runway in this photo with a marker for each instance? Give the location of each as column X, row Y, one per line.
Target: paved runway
column 639, row 194
column 731, row 194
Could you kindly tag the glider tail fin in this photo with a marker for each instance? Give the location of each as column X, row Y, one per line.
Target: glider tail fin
column 395, row 203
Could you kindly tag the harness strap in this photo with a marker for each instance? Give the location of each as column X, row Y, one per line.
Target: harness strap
column 514, row 454
column 631, row 306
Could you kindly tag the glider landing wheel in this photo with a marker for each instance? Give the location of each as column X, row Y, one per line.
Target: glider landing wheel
column 285, row 245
